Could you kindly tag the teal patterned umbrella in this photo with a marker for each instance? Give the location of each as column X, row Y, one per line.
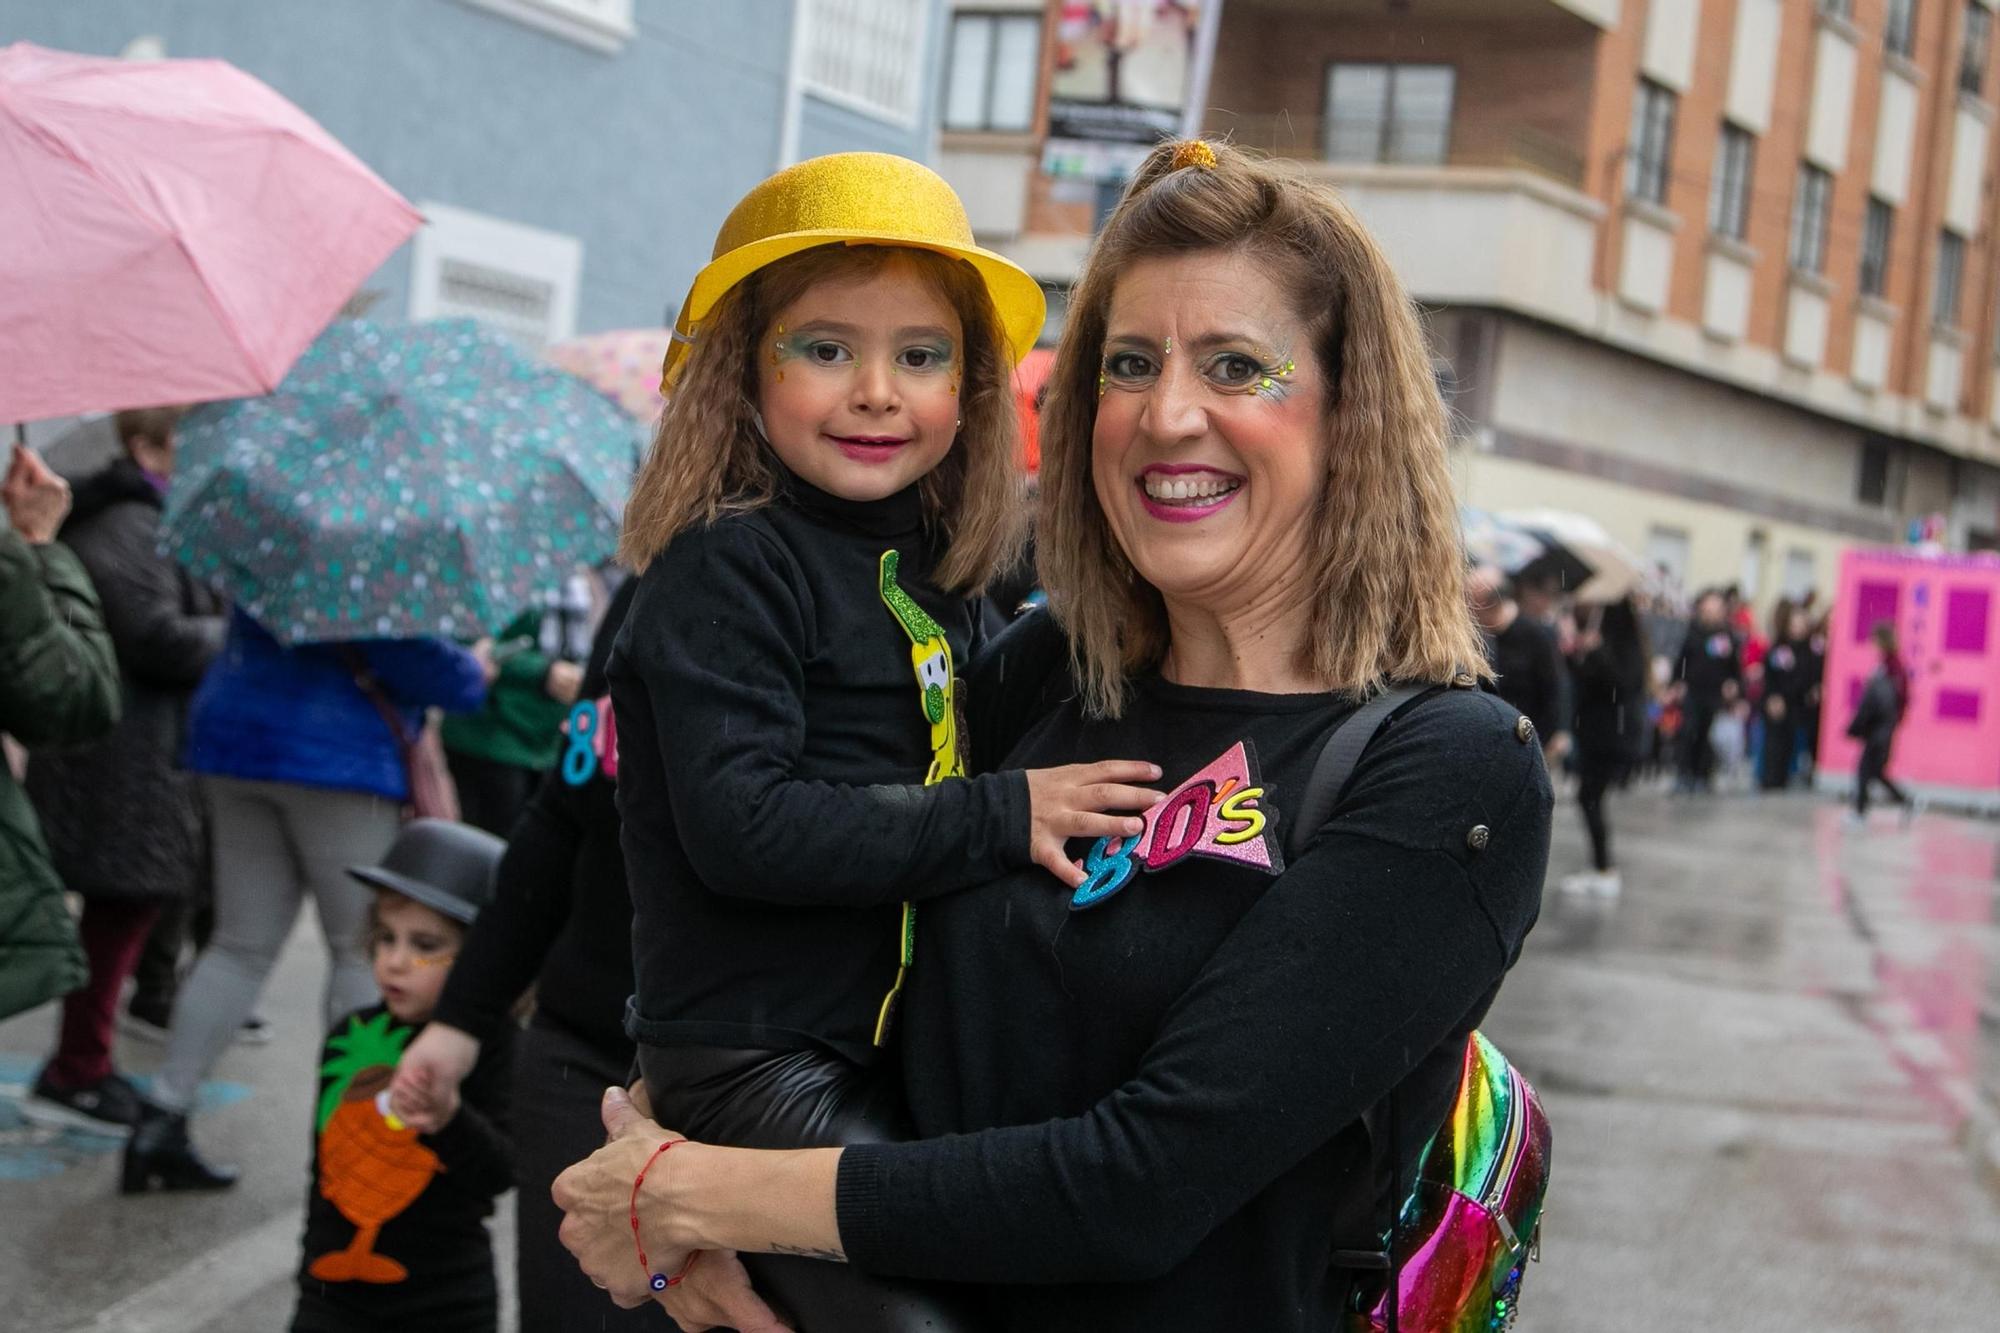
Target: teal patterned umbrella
column 410, row 480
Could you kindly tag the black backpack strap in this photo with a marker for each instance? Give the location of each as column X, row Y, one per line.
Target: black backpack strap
column 1337, row 760
column 1331, row 773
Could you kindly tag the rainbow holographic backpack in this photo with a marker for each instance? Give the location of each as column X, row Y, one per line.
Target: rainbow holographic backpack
column 1456, row 1250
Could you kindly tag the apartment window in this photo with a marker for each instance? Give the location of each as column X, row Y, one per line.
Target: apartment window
column 1729, row 193
column 1651, row 151
column 1875, row 231
column 1801, row 573
column 1972, row 55
column 520, row 280
column 1809, row 210
column 1750, row 574
column 1899, row 30
column 1950, row 275
column 990, row 81
column 1872, row 482
column 867, row 55
column 1668, row 551
column 1389, row 113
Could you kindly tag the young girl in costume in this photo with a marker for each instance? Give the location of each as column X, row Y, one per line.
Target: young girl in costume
column 395, row 1233
column 833, row 484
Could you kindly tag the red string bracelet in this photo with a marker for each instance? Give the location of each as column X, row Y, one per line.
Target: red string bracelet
column 657, row 1281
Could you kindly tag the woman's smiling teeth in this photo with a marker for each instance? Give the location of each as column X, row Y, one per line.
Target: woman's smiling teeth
column 1188, row 490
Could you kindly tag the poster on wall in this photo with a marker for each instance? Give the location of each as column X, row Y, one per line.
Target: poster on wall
column 1123, row 69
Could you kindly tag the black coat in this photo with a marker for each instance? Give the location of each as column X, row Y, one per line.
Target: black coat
column 122, row 821
column 1880, row 711
column 1610, row 726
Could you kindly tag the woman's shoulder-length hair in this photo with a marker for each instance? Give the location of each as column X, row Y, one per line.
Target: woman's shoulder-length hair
column 1386, row 590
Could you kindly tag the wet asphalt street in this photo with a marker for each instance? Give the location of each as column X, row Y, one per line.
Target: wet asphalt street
column 1772, row 1064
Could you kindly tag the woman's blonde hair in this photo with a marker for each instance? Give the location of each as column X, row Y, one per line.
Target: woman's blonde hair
column 1386, row 576
column 709, row 457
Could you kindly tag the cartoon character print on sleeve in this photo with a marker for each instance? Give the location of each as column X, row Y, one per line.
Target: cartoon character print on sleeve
column 371, row 1165
column 1219, row 813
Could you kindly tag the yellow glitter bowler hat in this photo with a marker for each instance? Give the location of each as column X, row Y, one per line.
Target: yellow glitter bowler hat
column 853, row 199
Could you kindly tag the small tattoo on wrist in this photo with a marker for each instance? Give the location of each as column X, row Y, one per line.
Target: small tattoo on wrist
column 807, row 1252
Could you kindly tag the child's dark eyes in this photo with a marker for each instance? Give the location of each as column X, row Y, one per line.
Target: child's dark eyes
column 826, row 354
column 923, row 358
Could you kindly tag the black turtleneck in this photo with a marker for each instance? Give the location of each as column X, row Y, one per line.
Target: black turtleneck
column 772, row 750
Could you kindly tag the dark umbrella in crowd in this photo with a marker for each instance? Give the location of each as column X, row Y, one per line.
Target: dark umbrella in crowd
column 403, row 481
column 1580, row 555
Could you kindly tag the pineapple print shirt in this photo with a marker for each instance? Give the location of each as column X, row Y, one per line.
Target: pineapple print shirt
column 395, row 1233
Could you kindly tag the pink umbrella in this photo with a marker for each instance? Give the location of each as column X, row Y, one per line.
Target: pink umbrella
column 623, row 365
column 171, row 231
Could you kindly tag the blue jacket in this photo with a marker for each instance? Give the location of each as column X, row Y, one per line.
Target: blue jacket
column 268, row 713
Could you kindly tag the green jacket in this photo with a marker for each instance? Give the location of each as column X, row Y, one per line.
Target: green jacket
column 58, row 685
column 518, row 724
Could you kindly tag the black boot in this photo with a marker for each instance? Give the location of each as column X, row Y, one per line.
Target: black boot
column 159, row 1156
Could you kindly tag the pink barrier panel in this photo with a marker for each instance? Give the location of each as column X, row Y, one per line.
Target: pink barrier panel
column 1946, row 610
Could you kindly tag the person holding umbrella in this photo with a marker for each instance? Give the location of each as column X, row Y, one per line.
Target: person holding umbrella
column 1527, row 662
column 497, row 755
column 125, row 825
column 58, row 683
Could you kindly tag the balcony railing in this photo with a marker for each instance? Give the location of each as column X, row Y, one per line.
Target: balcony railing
column 1306, row 137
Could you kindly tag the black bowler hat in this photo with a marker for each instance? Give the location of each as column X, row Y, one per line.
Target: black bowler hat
column 447, row 867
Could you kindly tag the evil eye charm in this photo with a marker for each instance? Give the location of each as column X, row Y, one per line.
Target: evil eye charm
column 659, row 1282
column 580, row 759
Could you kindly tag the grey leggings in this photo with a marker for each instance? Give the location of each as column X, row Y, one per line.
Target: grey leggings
column 275, row 842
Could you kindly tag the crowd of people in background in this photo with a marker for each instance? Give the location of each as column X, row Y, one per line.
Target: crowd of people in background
column 1636, row 691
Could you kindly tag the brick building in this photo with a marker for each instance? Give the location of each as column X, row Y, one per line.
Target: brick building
column 1721, row 273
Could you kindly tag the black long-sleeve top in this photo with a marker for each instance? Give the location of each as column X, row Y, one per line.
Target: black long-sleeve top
column 1610, row 695
column 561, row 915
column 439, row 1237
column 1792, row 672
column 1531, row 675
column 1709, row 656
column 1155, row 1100
column 772, row 749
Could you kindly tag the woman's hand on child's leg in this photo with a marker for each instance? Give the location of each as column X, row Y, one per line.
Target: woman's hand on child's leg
column 596, row 1197
column 1076, row 801
column 424, row 1093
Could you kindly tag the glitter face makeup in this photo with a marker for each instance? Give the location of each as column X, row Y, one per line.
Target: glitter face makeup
column 1248, row 369
column 859, row 386
column 1209, row 463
